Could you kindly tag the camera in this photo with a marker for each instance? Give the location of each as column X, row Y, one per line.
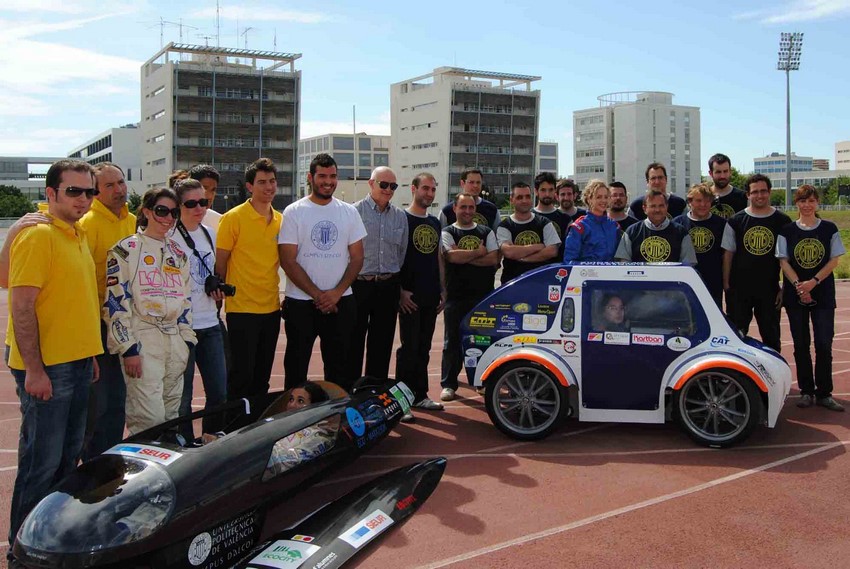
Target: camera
column 214, row 283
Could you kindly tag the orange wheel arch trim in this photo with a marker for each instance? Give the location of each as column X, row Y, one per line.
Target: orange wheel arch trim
column 721, row 364
column 529, row 357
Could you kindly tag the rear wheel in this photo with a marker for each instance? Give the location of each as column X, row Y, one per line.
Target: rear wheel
column 717, row 408
column 525, row 401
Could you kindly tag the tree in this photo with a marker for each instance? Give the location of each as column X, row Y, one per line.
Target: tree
column 738, row 179
column 13, row 203
column 830, row 196
column 133, row 202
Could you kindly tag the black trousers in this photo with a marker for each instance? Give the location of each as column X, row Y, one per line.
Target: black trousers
column 303, row 322
column 452, row 352
column 742, row 306
column 374, row 328
column 412, row 357
column 253, row 340
column 823, row 325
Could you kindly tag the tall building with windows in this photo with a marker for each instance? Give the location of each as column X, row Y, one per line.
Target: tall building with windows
column 776, row 163
column 26, row 173
column 121, row 146
column 220, row 106
column 356, row 156
column 629, row 130
column 452, row 119
column 547, row 158
column 842, row 155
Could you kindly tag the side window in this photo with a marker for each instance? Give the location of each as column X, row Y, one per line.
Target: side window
column 663, row 311
column 568, row 315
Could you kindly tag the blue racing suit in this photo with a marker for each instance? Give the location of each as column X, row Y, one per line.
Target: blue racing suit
column 591, row 238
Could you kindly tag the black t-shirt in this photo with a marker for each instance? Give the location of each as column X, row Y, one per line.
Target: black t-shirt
column 467, row 281
column 649, row 246
column 528, row 233
column 730, row 204
column 420, row 272
column 755, row 268
column 561, row 223
column 485, row 213
column 808, row 252
column 625, row 223
column 579, row 212
column 706, row 237
column 675, row 207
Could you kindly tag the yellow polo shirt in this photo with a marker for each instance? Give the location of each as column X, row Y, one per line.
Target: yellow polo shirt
column 103, row 231
column 56, row 259
column 253, row 264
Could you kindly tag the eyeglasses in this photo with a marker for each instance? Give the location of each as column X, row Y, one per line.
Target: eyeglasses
column 74, row 192
column 391, row 185
column 192, row 204
column 163, row 211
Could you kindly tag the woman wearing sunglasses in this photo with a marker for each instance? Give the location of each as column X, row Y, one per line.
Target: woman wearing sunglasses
column 198, row 241
column 149, row 313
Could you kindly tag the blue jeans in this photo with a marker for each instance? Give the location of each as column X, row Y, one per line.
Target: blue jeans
column 51, row 436
column 107, row 397
column 209, row 355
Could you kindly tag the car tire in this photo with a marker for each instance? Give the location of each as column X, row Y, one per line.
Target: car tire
column 717, row 407
column 525, row 401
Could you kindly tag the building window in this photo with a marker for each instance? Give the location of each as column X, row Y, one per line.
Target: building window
column 364, row 160
column 159, row 114
column 344, row 143
column 382, row 160
column 344, row 159
column 346, row 174
column 364, row 143
column 129, row 174
column 159, row 138
column 158, row 91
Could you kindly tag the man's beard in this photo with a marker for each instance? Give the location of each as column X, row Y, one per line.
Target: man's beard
column 618, row 209
column 721, row 185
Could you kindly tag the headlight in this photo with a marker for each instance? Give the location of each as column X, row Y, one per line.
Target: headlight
column 109, row 501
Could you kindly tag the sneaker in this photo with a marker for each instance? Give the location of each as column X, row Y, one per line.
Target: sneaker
column 830, row 404
column 429, row 405
column 408, row 418
column 806, row 401
column 448, row 394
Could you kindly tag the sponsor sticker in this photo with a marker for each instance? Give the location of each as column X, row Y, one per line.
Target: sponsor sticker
column 482, row 322
column 328, row 559
column 500, row 306
column 547, row 309
column 479, row 340
column 573, row 290
column 304, row 538
column 113, row 269
column 474, row 352
column 534, row 322
column 411, row 398
column 355, row 420
column 588, row 273
column 149, row 259
column 548, row 341
column 635, row 274
column 594, row 337
column 400, row 397
column 113, row 262
column 223, row 543
column 569, row 346
column 525, row 339
column 285, row 553
column 367, row 529
column 148, row 452
column 554, row 293
column 617, row 338
column 111, row 281
column 678, row 343
column 562, row 274
column 200, row 549
column 119, row 332
column 405, row 503
column 521, row 308
column 648, row 339
column 718, row 341
column 470, row 362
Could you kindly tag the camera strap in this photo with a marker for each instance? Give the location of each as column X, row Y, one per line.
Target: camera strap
column 191, row 242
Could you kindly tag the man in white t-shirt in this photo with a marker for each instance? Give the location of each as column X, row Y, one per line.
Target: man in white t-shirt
column 321, row 252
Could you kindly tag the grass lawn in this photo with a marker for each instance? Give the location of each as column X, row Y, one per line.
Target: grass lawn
column 842, row 220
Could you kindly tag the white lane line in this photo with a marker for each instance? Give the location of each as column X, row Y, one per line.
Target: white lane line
column 628, row 509
column 564, row 435
column 8, row 468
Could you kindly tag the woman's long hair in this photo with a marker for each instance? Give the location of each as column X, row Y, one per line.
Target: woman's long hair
column 149, row 200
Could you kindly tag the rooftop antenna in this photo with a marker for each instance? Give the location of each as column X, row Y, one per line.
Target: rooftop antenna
column 206, row 39
column 275, row 39
column 245, row 33
column 217, row 24
column 163, row 22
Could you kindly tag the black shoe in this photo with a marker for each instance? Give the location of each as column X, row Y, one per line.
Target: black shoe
column 830, row 404
column 408, row 418
column 806, row 401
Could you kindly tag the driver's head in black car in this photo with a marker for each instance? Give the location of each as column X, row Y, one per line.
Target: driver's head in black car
column 613, row 313
column 304, row 395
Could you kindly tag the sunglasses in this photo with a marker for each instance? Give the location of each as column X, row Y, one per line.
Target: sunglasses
column 74, row 192
column 163, row 211
column 192, row 204
column 391, row 185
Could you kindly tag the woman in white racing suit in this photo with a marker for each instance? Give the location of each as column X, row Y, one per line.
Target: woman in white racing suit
column 148, row 312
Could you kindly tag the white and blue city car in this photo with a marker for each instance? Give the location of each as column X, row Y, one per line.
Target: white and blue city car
column 543, row 349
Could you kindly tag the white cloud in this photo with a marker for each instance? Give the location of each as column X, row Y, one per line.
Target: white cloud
column 41, row 142
column 47, row 6
column 252, row 13
column 799, row 11
column 20, row 105
column 316, row 128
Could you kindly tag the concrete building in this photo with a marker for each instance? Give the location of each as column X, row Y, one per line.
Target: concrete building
column 775, row 163
column 629, row 130
column 220, row 106
column 26, row 173
column 452, row 119
column 842, row 155
column 816, row 178
column 547, row 158
column 820, row 163
column 120, row 146
column 354, row 166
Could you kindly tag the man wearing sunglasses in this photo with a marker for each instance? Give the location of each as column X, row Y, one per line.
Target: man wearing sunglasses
column 56, row 332
column 108, row 222
column 377, row 287
column 209, row 178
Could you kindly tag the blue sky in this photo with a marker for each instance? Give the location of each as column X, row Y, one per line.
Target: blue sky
column 70, row 68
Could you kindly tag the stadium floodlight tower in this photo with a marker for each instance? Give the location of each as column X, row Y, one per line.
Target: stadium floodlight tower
column 790, row 48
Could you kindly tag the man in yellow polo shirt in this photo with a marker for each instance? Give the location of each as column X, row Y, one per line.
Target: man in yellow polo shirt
column 246, row 257
column 56, row 322
column 108, row 222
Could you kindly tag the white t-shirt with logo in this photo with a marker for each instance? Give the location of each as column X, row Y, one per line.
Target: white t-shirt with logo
column 322, row 234
column 211, row 219
column 204, row 310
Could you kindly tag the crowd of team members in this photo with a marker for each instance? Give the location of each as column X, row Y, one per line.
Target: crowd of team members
column 143, row 305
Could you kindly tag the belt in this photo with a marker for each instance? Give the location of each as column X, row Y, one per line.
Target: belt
column 378, row 277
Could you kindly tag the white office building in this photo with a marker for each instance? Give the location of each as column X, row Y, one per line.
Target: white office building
column 121, row 146
column 452, row 119
column 776, row 163
column 547, row 158
column 26, row 173
column 842, row 155
column 629, row 130
column 356, row 155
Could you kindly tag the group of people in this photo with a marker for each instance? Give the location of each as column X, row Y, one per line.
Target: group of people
column 110, row 312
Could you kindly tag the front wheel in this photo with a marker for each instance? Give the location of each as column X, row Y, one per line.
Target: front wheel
column 525, row 401
column 717, row 408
